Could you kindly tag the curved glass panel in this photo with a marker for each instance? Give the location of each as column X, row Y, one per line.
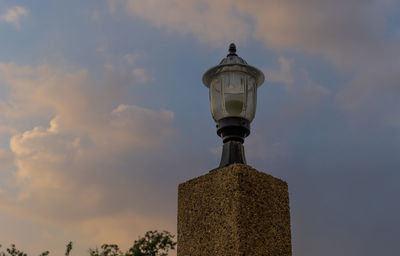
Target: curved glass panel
column 251, row 96
column 233, row 94
column 216, row 98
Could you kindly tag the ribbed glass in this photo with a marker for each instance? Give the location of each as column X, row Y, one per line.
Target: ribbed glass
column 233, row 94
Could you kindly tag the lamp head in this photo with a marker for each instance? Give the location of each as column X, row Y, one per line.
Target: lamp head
column 233, row 87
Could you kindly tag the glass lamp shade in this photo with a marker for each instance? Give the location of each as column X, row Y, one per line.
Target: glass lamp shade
column 233, row 87
column 233, row 94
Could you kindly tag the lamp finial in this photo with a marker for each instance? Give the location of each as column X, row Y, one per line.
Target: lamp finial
column 232, row 50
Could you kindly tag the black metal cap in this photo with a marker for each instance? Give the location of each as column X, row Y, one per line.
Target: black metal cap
column 232, row 50
column 233, row 62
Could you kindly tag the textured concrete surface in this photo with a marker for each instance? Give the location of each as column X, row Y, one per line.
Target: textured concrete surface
column 234, row 211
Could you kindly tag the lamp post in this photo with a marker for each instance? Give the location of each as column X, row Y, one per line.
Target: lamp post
column 236, row 210
column 233, row 97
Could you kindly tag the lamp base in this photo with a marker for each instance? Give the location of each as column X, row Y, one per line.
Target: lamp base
column 233, row 130
column 232, row 153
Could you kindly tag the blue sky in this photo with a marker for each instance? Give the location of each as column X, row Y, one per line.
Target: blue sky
column 103, row 113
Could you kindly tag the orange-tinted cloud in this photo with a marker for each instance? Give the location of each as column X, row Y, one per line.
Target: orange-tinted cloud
column 215, row 22
column 83, row 142
column 345, row 32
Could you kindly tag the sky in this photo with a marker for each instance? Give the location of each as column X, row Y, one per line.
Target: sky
column 103, row 113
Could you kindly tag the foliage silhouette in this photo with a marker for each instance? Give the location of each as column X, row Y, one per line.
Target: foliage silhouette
column 68, row 249
column 153, row 243
column 13, row 251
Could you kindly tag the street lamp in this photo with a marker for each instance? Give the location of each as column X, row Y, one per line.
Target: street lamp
column 233, row 97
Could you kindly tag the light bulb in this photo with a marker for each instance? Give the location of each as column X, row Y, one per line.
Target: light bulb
column 234, row 103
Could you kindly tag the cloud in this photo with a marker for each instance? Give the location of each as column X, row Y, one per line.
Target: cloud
column 354, row 36
column 126, row 66
column 284, row 75
column 132, row 58
column 372, row 95
column 214, row 22
column 102, row 48
column 112, row 229
column 140, row 75
column 13, row 15
column 112, row 5
column 4, row 129
column 303, row 99
column 84, row 143
column 95, row 15
column 345, row 32
column 296, row 82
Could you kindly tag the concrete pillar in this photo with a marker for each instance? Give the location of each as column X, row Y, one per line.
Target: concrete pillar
column 234, row 211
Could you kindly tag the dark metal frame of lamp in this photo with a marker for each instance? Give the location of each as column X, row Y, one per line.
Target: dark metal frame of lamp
column 233, row 130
